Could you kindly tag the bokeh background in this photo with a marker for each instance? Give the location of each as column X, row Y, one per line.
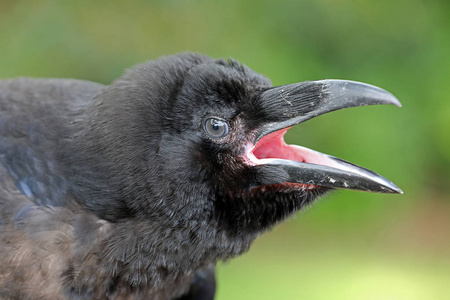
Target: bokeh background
column 350, row 245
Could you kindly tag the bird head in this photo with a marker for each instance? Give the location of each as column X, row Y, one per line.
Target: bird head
column 193, row 139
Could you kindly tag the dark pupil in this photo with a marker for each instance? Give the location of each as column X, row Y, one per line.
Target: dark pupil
column 215, row 125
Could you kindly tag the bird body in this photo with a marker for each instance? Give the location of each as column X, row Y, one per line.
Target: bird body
column 48, row 238
column 135, row 190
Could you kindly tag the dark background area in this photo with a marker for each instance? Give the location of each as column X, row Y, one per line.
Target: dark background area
column 350, row 245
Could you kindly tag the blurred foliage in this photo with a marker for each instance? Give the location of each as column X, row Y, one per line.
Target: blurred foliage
column 350, row 245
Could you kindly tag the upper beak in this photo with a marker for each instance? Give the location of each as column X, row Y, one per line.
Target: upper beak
column 284, row 106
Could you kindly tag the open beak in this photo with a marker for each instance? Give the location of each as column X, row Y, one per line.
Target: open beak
column 281, row 107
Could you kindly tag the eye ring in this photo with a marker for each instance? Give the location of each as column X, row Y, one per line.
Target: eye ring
column 216, row 127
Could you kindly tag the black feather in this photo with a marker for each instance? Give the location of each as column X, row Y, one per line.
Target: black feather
column 116, row 192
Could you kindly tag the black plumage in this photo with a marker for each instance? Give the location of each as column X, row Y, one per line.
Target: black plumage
column 135, row 190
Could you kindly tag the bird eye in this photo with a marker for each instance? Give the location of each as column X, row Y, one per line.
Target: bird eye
column 216, row 128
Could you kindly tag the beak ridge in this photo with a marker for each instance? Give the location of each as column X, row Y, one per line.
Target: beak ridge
column 288, row 105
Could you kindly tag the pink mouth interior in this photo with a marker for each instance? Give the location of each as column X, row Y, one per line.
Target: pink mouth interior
column 274, row 146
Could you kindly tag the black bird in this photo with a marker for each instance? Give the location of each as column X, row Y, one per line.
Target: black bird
column 135, row 190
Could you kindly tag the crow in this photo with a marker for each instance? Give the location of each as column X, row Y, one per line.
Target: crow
column 136, row 190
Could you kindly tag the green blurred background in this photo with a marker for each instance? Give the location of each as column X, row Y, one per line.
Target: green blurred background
column 350, row 245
